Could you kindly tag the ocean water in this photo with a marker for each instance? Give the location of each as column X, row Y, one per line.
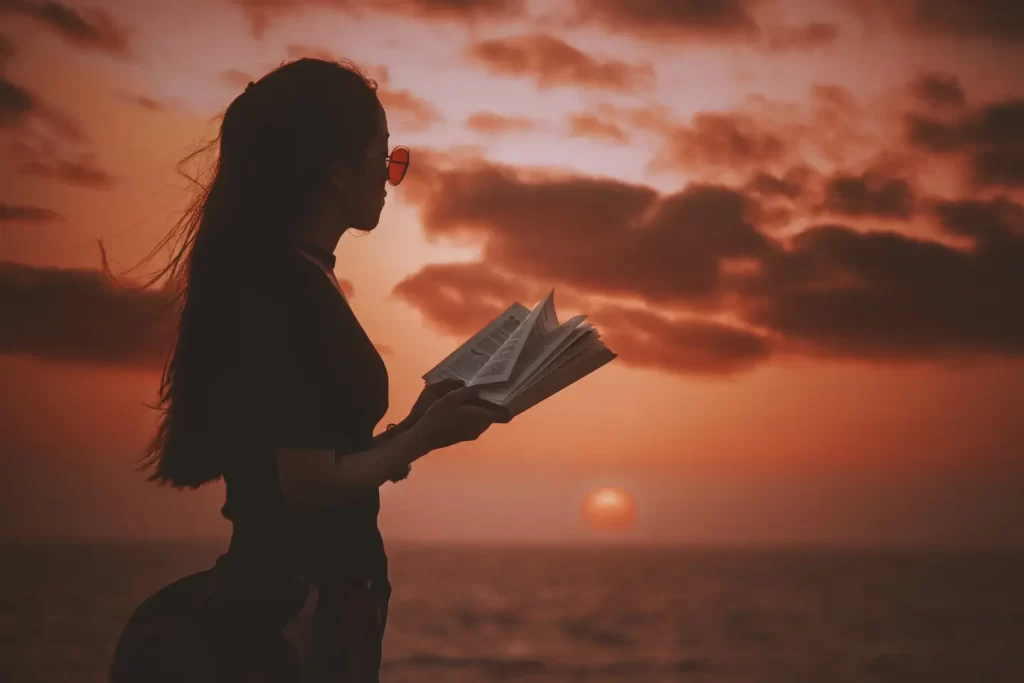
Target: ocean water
column 544, row 615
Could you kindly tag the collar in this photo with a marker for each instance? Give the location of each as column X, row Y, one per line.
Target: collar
column 324, row 257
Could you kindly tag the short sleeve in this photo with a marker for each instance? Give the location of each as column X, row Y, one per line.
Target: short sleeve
column 274, row 390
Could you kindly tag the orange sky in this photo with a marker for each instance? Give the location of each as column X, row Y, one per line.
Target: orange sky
column 798, row 223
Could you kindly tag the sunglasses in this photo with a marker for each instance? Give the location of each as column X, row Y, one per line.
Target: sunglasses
column 398, row 164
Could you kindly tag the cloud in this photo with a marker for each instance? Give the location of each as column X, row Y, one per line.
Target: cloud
column 236, row 78
column 93, row 29
column 554, row 63
column 668, row 20
column 16, row 103
column 27, row 214
column 44, row 159
column 811, row 36
column 586, row 125
column 6, row 49
column 459, row 298
column 489, row 122
column 1001, row 20
column 869, row 194
column 665, row 248
column 990, row 220
column 760, row 136
column 939, row 90
column 261, row 13
column 46, row 142
column 684, row 345
column 81, row 316
column 738, row 141
column 411, row 112
column 704, row 262
column 839, row 292
column 992, row 136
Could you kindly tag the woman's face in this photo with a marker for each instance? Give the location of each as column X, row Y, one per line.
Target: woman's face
column 370, row 184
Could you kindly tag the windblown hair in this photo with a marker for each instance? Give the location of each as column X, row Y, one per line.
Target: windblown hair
column 278, row 141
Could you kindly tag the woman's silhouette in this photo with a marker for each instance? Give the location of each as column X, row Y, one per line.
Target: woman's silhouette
column 274, row 386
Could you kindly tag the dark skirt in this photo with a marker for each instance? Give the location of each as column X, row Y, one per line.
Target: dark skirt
column 224, row 625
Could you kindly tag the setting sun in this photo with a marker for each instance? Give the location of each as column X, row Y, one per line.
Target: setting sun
column 609, row 508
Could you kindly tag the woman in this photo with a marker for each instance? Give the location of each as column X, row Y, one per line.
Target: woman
column 274, row 386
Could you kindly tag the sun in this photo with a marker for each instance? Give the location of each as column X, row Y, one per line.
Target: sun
column 609, row 508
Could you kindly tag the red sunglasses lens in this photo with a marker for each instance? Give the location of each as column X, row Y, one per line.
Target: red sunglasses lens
column 398, row 164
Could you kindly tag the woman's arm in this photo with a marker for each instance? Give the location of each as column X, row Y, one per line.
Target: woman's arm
column 317, row 478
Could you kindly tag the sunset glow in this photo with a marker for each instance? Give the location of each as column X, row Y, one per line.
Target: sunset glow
column 799, row 224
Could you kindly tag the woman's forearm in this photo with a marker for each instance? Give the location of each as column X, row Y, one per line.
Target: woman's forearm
column 393, row 430
column 315, row 477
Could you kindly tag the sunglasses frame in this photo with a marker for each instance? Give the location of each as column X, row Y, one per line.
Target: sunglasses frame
column 405, row 163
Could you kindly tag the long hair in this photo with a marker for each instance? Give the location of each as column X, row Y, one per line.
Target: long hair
column 278, row 141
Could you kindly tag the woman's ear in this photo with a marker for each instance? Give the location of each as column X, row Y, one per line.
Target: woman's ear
column 342, row 178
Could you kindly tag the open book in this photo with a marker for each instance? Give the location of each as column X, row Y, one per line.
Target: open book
column 525, row 356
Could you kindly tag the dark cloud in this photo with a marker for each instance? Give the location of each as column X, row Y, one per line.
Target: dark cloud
column 552, row 62
column 647, row 339
column 44, row 141
column 761, row 136
column 992, row 136
column 737, row 141
column 870, row 194
column 810, row 36
column 939, row 90
column 585, row 125
column 81, row 316
column 16, row 103
column 789, row 186
column 27, row 214
column 982, row 219
column 1001, row 20
column 45, row 159
column 93, row 29
column 6, row 49
column 882, row 295
column 489, row 122
column 668, row 248
column 261, row 13
column 671, row 19
column 703, row 255
column 989, row 22
column 459, row 298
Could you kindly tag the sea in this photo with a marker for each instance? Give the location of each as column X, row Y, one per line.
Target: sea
column 600, row 614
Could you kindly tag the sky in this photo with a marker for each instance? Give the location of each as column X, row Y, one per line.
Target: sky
column 799, row 225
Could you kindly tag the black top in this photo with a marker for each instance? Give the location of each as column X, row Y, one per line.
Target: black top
column 303, row 374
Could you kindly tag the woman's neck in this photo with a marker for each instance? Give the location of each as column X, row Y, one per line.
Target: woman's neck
column 322, row 232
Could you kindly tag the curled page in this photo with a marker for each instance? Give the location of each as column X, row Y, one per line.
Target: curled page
column 541, row 322
column 466, row 361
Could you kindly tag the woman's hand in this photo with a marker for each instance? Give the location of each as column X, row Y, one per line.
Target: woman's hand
column 429, row 396
column 456, row 417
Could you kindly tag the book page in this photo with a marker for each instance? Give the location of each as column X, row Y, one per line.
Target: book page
column 541, row 322
column 466, row 361
column 581, row 365
column 535, row 359
column 584, row 344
